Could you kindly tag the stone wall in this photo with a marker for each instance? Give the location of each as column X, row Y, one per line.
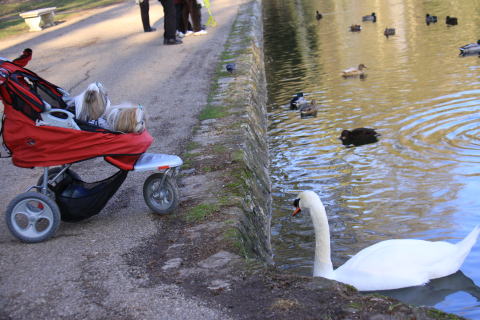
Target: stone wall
column 230, row 146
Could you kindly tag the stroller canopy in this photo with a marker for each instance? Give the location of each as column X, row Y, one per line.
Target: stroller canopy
column 25, row 96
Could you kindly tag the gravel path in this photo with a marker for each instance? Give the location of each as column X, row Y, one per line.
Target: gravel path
column 81, row 273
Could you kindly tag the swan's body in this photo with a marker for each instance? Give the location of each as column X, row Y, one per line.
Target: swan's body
column 318, row 15
column 354, row 72
column 386, row 265
column 472, row 48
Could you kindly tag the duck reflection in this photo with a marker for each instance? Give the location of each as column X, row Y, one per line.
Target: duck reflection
column 436, row 290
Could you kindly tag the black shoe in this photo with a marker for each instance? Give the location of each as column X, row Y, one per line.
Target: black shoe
column 172, row 41
column 150, row 30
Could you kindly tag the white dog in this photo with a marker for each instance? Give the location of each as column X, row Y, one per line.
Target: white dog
column 92, row 103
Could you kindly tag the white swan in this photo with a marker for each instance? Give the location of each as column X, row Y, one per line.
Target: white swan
column 390, row 264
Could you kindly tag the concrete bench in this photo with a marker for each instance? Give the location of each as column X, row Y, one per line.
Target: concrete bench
column 39, row 19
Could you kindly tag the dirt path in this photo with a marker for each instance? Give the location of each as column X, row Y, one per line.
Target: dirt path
column 82, row 272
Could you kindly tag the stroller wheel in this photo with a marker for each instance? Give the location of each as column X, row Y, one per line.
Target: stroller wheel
column 161, row 198
column 32, row 217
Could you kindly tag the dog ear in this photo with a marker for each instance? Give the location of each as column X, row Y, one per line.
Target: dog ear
column 140, row 125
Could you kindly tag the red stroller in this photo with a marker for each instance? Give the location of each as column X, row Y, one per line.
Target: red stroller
column 39, row 131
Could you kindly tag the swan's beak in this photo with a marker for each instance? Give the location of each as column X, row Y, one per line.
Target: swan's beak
column 296, row 204
column 296, row 211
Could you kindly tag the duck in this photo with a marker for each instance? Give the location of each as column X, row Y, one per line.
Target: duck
column 372, row 17
column 472, row 48
column 353, row 72
column 452, row 21
column 389, row 32
column 386, row 265
column 430, row 19
column 230, row 67
column 359, row 136
column 297, row 100
column 355, row 28
column 318, row 15
column 308, row 109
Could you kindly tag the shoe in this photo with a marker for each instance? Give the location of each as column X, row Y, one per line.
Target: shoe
column 172, row 41
column 200, row 33
column 180, row 34
column 150, row 30
column 189, row 32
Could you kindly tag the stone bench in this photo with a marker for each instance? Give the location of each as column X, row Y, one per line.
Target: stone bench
column 39, row 19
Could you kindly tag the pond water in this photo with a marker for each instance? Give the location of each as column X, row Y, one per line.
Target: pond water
column 422, row 178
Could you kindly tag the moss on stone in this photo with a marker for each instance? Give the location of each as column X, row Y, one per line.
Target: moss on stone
column 200, row 212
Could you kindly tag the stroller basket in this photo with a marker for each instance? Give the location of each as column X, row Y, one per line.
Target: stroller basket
column 79, row 200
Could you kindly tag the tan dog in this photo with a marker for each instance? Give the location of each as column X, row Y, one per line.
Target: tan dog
column 126, row 118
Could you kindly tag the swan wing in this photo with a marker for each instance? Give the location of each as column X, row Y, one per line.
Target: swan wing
column 370, row 281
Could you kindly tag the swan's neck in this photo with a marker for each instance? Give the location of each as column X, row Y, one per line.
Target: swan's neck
column 323, row 264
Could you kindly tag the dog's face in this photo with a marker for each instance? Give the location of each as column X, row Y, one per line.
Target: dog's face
column 127, row 118
column 92, row 103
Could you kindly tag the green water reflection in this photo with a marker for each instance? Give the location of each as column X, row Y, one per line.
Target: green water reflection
column 422, row 179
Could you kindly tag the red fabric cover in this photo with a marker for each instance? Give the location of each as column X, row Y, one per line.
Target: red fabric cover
column 44, row 146
column 24, row 58
column 123, row 162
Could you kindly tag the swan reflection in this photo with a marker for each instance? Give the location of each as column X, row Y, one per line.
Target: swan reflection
column 436, row 291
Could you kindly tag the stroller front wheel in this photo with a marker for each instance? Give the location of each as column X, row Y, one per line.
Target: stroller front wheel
column 160, row 193
column 32, row 217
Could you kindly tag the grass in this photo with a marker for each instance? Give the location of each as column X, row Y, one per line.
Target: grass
column 200, row 212
column 11, row 23
column 212, row 112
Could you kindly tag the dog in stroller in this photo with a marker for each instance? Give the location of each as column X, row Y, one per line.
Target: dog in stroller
column 93, row 106
column 39, row 131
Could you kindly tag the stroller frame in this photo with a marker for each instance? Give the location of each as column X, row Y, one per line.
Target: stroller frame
column 60, row 194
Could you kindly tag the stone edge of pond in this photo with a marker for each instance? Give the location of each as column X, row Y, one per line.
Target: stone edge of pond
column 217, row 246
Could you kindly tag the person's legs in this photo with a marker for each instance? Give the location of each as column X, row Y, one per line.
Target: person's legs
column 184, row 15
column 179, row 19
column 192, row 9
column 144, row 13
column 202, row 31
column 169, row 19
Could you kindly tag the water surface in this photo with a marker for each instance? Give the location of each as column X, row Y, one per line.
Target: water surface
column 422, row 179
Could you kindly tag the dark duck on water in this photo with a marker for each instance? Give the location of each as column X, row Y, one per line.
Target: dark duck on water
column 297, row 100
column 372, row 17
column 430, row 19
column 452, row 21
column 471, row 48
column 359, row 136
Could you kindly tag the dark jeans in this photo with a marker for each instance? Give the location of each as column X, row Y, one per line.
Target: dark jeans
column 144, row 8
column 191, row 7
column 169, row 19
column 178, row 14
